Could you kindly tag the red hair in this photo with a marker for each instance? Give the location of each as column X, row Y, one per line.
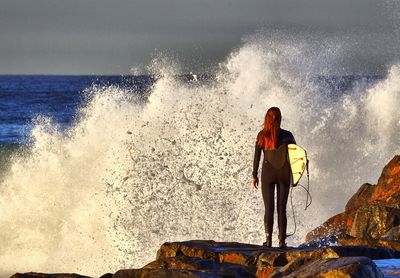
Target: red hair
column 272, row 124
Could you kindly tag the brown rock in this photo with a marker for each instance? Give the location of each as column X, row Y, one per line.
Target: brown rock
column 189, row 249
column 374, row 221
column 393, row 234
column 332, row 252
column 161, row 273
column 388, row 188
column 47, row 275
column 362, row 196
column 107, row 275
column 235, row 257
column 193, row 263
column 361, row 267
column 393, row 244
column 179, row 262
column 290, row 267
column 337, row 225
column 265, row 271
column 270, row 258
column 208, row 249
column 369, row 214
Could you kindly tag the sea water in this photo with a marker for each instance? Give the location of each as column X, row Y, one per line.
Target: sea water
column 98, row 172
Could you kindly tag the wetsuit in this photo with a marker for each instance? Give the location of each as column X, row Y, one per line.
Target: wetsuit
column 275, row 171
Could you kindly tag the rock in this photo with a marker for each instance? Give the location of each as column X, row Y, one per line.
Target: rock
column 107, row 275
column 290, row 267
column 228, row 252
column 370, row 214
column 362, row 196
column 200, row 258
column 189, row 249
column 265, row 271
column 253, row 260
column 333, row 228
column 374, row 221
column 343, row 251
column 47, row 275
column 280, row 258
column 209, row 266
column 361, row 267
column 161, row 273
column 388, row 188
column 393, row 234
column 390, row 244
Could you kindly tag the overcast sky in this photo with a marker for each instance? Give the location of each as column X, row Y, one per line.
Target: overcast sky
column 111, row 36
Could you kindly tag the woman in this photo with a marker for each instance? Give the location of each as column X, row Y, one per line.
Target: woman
column 273, row 140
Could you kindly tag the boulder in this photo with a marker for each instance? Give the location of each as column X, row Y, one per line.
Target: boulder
column 209, row 266
column 224, row 252
column 368, row 217
column 107, row 275
column 47, row 275
column 387, row 189
column 257, row 261
column 162, row 273
column 336, row 226
column 361, row 197
column 393, row 234
column 373, row 221
column 195, row 259
column 361, row 267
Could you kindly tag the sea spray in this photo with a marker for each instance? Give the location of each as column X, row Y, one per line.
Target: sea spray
column 130, row 175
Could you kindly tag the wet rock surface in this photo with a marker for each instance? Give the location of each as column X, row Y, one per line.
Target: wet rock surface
column 47, row 275
column 230, row 259
column 361, row 267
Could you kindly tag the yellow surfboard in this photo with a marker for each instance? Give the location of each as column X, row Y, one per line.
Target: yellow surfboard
column 298, row 162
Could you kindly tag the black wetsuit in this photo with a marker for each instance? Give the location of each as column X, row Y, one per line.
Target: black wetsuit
column 275, row 171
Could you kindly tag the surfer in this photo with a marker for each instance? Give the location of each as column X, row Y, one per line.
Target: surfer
column 273, row 140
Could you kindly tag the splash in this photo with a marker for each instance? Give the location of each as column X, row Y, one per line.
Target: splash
column 130, row 175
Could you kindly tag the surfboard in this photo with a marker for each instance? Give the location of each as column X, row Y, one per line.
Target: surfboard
column 298, row 162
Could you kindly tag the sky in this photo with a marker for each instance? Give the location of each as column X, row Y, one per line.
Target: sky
column 112, row 37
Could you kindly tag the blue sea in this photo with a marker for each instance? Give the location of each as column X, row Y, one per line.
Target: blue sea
column 24, row 97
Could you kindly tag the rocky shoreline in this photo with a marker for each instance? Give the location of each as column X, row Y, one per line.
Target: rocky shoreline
column 344, row 246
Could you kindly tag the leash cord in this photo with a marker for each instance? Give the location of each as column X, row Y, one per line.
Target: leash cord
column 308, row 200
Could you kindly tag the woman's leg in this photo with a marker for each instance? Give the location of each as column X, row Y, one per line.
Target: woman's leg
column 268, row 188
column 283, row 188
column 283, row 193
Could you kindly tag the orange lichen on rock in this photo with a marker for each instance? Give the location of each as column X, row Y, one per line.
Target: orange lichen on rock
column 232, row 257
column 265, row 271
column 394, row 171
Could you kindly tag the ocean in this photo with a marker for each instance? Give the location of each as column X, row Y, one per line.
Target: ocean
column 96, row 172
column 24, row 98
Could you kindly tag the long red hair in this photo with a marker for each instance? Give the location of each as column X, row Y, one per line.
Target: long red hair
column 272, row 124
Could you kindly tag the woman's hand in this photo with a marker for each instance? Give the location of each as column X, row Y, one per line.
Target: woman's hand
column 255, row 183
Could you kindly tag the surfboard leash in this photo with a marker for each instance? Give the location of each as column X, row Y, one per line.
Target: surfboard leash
column 294, row 214
column 308, row 203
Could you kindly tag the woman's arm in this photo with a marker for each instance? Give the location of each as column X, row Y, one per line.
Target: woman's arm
column 256, row 162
